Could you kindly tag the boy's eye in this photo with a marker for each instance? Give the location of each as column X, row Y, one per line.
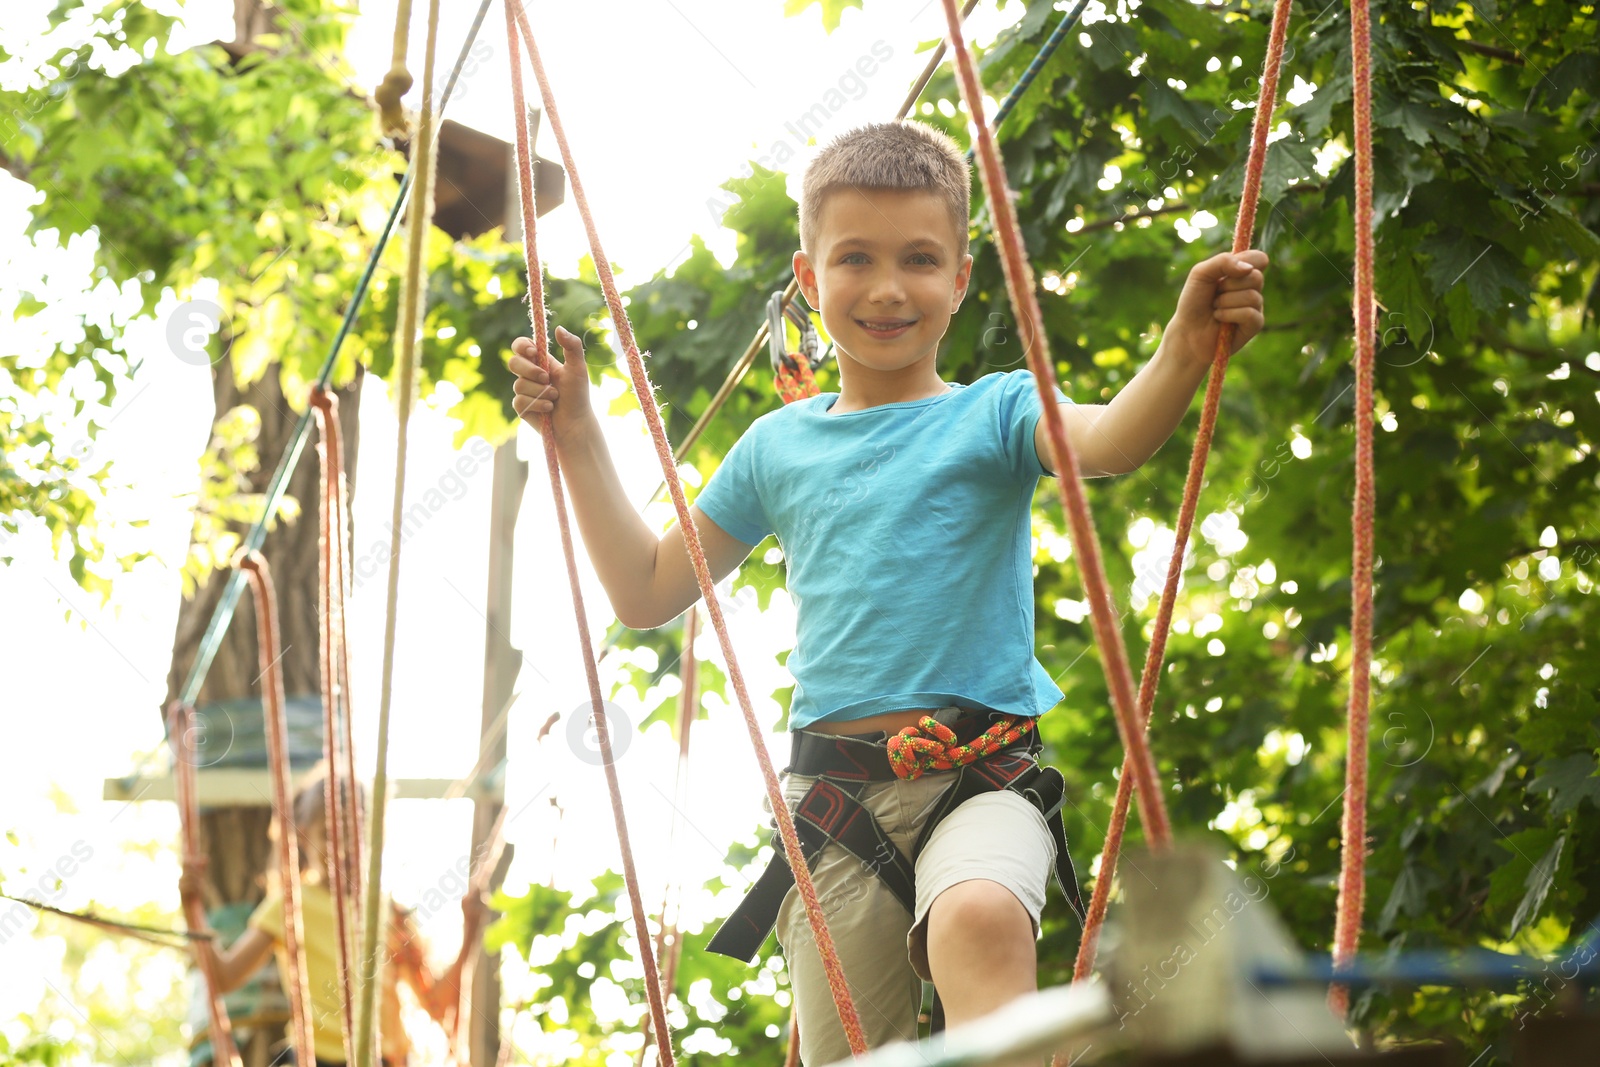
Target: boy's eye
column 853, row 258
column 923, row 259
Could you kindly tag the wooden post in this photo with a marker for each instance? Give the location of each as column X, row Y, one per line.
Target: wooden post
column 501, row 664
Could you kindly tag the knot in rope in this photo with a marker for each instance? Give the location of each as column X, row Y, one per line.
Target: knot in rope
column 931, row 746
column 391, row 116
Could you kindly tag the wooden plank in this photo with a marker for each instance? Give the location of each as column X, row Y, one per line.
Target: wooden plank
column 250, row 788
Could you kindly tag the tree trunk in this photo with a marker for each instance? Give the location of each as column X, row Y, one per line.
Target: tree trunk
column 236, row 839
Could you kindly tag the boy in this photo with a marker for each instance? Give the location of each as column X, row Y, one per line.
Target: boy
column 902, row 504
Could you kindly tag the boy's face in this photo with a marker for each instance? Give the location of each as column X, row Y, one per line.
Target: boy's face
column 886, row 274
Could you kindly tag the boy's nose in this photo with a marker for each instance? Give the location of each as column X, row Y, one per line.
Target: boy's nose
column 887, row 289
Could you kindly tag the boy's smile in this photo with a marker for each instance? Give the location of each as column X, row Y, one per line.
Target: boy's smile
column 886, row 275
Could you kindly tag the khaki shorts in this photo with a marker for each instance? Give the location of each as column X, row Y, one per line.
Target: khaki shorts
column 996, row 836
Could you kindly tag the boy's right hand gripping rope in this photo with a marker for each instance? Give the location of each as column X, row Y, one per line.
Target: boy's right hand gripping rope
column 931, row 746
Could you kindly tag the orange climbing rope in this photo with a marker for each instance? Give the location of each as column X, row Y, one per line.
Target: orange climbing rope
column 180, row 724
column 331, row 616
column 1352, row 867
column 644, row 392
column 1085, row 542
column 641, row 924
column 1151, row 676
column 276, row 727
column 794, row 380
column 931, row 746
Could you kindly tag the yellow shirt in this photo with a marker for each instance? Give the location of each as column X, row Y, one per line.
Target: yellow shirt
column 322, row 972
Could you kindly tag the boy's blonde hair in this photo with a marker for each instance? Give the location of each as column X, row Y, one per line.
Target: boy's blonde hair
column 888, row 155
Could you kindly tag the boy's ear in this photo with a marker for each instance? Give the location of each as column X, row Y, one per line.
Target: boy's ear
column 806, row 275
column 963, row 279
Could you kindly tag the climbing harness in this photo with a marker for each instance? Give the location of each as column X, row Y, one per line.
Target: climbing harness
column 1000, row 752
column 793, row 373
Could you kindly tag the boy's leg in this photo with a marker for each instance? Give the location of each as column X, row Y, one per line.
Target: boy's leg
column 981, row 883
column 980, row 949
column 869, row 926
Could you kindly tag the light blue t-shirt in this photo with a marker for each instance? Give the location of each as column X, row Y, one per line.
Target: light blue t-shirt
column 907, row 533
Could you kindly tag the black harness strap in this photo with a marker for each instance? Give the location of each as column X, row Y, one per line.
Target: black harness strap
column 1043, row 787
column 831, row 810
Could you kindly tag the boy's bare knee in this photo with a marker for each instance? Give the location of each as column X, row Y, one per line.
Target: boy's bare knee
column 980, row 949
column 979, row 912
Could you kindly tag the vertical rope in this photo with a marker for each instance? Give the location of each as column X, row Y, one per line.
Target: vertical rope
column 180, row 723
column 1024, row 300
column 330, row 630
column 1352, row 869
column 1243, row 230
column 397, row 82
column 641, row 923
column 353, row 810
column 351, row 813
column 276, row 725
column 645, row 394
column 412, row 309
column 791, row 1055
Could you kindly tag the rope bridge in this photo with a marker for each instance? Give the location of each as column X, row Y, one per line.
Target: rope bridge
column 1132, row 707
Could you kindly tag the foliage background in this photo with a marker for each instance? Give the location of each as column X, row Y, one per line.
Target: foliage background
column 1127, row 155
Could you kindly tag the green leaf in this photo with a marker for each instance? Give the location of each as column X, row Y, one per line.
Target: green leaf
column 832, row 10
column 1570, row 780
column 27, row 304
column 1539, row 881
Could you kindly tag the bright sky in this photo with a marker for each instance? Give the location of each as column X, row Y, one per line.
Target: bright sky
column 84, row 683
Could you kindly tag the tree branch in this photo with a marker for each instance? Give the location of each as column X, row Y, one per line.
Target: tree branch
column 1492, row 51
column 1106, row 224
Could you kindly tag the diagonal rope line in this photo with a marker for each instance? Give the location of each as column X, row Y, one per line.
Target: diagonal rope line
column 645, row 394
column 1154, row 655
column 536, row 308
column 1024, row 300
column 1046, row 50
